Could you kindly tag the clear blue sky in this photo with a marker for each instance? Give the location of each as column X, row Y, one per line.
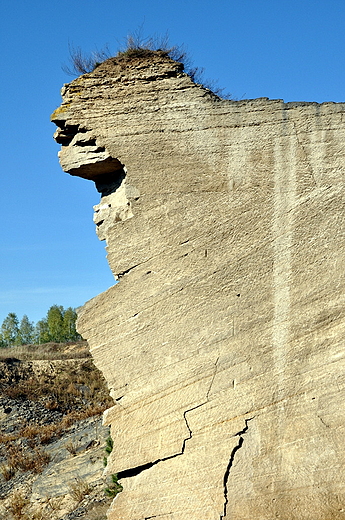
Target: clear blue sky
column 50, row 254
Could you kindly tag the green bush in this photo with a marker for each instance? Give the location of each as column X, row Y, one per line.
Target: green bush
column 114, row 488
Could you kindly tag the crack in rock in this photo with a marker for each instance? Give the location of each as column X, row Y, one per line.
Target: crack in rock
column 157, row 516
column 132, row 472
column 230, row 464
column 126, row 271
column 213, row 378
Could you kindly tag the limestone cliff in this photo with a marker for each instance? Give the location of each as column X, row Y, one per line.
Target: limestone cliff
column 223, row 342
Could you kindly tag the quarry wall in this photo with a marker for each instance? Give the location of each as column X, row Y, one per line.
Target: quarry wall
column 222, row 343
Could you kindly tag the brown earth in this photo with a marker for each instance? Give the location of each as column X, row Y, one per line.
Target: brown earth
column 52, row 440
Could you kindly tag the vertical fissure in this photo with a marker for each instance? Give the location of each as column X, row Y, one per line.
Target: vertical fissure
column 230, row 465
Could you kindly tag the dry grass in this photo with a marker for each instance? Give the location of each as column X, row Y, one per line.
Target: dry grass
column 64, row 391
column 54, row 503
column 49, row 432
column 34, row 458
column 17, row 504
column 72, row 447
column 7, row 471
column 47, row 351
column 77, row 390
column 79, row 489
column 46, row 434
column 25, row 460
column 36, row 514
column 19, row 508
column 8, row 437
column 135, row 46
column 30, row 432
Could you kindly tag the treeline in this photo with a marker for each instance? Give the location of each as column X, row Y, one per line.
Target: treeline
column 57, row 326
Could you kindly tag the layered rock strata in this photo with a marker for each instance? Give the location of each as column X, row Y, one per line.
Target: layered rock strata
column 222, row 344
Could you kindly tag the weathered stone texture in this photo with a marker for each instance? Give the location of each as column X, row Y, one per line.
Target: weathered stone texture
column 223, row 341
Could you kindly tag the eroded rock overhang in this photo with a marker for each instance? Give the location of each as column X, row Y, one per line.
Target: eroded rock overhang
column 82, row 155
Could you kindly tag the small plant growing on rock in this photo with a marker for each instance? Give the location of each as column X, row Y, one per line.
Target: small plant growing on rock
column 72, row 447
column 137, row 46
column 108, row 449
column 54, row 503
column 109, row 445
column 81, row 63
column 114, row 488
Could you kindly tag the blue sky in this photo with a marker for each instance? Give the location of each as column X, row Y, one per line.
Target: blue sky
column 49, row 252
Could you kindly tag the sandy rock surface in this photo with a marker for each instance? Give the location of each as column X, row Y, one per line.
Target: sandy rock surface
column 222, row 343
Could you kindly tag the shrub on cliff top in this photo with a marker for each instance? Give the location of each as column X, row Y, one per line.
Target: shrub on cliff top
column 81, row 63
column 137, row 46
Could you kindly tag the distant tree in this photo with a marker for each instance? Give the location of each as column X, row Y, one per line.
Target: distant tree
column 55, row 323
column 59, row 325
column 2, row 342
column 26, row 333
column 42, row 332
column 69, row 320
column 10, row 330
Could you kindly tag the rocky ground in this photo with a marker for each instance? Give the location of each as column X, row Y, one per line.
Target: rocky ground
column 53, row 446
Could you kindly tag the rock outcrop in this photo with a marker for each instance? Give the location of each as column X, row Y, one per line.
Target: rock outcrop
column 222, row 343
column 53, row 445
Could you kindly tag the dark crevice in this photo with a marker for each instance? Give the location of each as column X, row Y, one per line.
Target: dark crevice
column 227, row 473
column 90, row 142
column 107, row 173
column 133, row 472
column 245, row 429
column 60, row 123
column 323, row 422
column 107, row 183
column 157, row 516
column 230, row 464
column 120, row 275
column 67, row 132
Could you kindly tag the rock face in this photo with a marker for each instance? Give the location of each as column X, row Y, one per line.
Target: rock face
column 223, row 342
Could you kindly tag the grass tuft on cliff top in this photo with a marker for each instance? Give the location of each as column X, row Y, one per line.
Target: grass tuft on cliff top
column 136, row 46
